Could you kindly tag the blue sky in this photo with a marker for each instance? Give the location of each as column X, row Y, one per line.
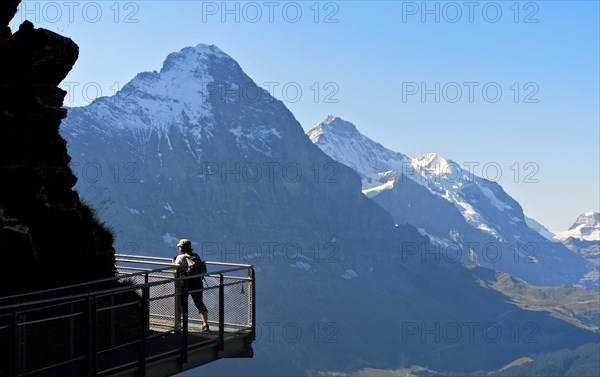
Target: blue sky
column 511, row 86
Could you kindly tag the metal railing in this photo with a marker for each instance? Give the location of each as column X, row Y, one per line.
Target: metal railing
column 144, row 315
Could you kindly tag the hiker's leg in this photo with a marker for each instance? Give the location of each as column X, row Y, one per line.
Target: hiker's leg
column 203, row 312
column 198, row 301
column 204, row 317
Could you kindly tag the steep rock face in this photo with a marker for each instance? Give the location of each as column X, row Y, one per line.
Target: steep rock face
column 46, row 233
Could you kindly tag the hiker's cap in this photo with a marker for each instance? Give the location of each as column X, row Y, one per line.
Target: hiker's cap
column 185, row 242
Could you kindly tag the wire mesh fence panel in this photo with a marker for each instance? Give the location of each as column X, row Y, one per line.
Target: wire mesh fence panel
column 118, row 328
column 165, row 334
column 237, row 307
column 164, row 316
column 5, row 336
column 50, row 335
column 118, row 319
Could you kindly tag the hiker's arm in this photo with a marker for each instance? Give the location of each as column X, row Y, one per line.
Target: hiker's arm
column 180, row 262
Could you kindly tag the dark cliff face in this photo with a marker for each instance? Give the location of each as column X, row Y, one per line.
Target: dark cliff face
column 47, row 236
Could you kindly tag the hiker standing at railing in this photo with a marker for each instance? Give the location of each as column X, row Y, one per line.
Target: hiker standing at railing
column 190, row 264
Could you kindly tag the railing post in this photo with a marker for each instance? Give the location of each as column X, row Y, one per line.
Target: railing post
column 22, row 342
column 14, row 354
column 112, row 321
column 221, row 314
column 178, row 305
column 145, row 325
column 72, row 330
column 92, row 328
column 185, row 313
column 253, row 302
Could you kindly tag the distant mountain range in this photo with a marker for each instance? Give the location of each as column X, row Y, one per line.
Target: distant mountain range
column 467, row 217
column 583, row 237
column 185, row 152
column 586, row 228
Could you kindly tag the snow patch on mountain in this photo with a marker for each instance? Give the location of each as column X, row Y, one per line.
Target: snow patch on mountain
column 349, row 274
column 497, row 203
column 434, row 165
column 170, row 239
column 255, row 138
column 445, row 178
column 378, row 189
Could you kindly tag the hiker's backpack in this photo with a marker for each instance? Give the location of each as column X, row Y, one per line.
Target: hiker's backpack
column 195, row 265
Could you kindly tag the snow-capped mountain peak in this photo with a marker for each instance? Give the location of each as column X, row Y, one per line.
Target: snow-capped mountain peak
column 330, row 118
column 588, row 219
column 433, row 164
column 429, row 159
column 183, row 77
column 175, row 108
column 586, row 227
column 178, row 96
column 333, row 125
column 342, row 141
column 190, row 57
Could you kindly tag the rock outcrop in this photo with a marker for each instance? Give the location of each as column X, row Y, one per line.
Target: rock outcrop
column 48, row 237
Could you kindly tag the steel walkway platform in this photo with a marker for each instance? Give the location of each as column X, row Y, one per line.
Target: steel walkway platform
column 140, row 323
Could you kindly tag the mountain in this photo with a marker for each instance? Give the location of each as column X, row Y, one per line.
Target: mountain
column 583, row 361
column 469, row 218
column 197, row 150
column 586, row 227
column 183, row 152
column 583, row 238
column 541, row 229
column 369, row 159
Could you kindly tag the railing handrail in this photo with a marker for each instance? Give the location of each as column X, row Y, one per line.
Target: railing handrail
column 66, row 287
column 117, row 255
column 141, row 259
column 145, row 262
column 117, row 289
column 169, row 260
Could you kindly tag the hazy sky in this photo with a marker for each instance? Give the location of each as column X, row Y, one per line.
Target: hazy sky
column 509, row 88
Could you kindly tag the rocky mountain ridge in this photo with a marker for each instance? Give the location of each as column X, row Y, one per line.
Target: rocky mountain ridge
column 45, row 230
